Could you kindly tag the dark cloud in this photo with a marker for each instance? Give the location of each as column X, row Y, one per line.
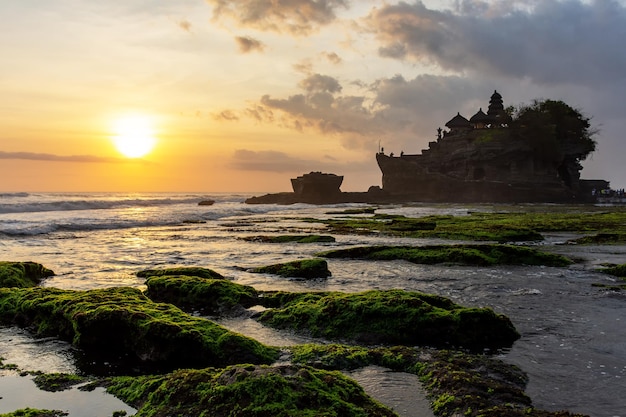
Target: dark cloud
column 60, row 158
column 298, row 17
column 247, row 44
column 548, row 42
column 227, row 115
column 320, row 83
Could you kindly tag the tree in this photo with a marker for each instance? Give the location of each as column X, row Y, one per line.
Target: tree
column 558, row 134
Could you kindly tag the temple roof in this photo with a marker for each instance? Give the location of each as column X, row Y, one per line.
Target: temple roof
column 458, row 121
column 480, row 116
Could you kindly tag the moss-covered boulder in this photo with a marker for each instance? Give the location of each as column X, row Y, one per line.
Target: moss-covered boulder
column 22, row 274
column 190, row 271
column 118, row 322
column 480, row 255
column 246, row 390
column 389, row 317
column 458, row 383
column 291, row 239
column 306, row 268
column 606, row 238
column 32, row 412
column 207, row 296
column 616, row 270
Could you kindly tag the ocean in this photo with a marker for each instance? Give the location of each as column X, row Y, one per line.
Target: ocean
column 573, row 334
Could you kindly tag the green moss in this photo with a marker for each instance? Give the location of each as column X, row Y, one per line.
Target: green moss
column 31, row 412
column 208, row 296
column 482, row 255
column 519, row 223
column 247, row 390
column 123, row 322
column 190, row 271
column 57, row 381
column 392, row 317
column 365, row 210
column 457, row 383
column 291, row 239
column 307, row 268
column 601, row 239
column 617, row 270
column 22, row 274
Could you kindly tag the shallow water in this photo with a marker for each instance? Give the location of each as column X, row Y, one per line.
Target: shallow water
column 572, row 344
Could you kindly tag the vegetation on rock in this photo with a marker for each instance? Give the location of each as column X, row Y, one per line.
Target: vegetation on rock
column 122, row 321
column 56, row 381
column 246, row 390
column 191, row 271
column 605, row 238
column 291, row 238
column 22, row 274
column 31, row 412
column 514, row 225
column 207, row 296
column 390, row 317
column 482, row 255
column 458, row 383
column 306, row 268
column 617, row 270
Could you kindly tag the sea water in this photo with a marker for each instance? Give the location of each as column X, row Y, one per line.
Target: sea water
column 573, row 334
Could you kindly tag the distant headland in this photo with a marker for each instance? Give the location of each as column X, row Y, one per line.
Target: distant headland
column 530, row 154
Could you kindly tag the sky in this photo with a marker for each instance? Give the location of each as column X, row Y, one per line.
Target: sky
column 242, row 95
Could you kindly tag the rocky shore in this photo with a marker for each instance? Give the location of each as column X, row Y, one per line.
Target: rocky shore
column 205, row 370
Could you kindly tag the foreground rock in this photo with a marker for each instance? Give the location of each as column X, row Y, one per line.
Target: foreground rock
column 206, row 296
column 246, row 390
column 190, row 271
column 389, row 317
column 123, row 322
column 306, row 268
column 480, row 255
column 22, row 274
column 458, row 384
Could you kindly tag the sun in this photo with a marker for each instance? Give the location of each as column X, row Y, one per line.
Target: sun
column 134, row 136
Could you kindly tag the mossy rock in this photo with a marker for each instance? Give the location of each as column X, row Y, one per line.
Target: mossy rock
column 57, row 381
column 600, row 239
column 116, row 322
column 190, row 271
column 32, row 412
column 306, row 268
column 22, row 274
column 207, row 296
column 247, row 390
column 458, row 383
column 391, row 317
column 617, row 270
column 479, row 255
column 291, row 239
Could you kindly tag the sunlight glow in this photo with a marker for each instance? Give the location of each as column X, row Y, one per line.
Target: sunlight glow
column 134, row 136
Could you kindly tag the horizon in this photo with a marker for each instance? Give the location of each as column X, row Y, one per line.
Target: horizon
column 222, row 96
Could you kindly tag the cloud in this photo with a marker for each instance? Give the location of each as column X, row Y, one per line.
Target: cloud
column 185, row 25
column 547, row 42
column 332, row 57
column 269, row 161
column 63, row 158
column 299, row 17
column 227, row 115
column 247, row 44
column 281, row 163
column 320, row 83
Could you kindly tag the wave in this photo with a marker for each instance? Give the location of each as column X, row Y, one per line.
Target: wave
column 13, row 195
column 34, row 206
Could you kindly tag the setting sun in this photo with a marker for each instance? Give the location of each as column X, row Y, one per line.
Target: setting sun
column 134, row 136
